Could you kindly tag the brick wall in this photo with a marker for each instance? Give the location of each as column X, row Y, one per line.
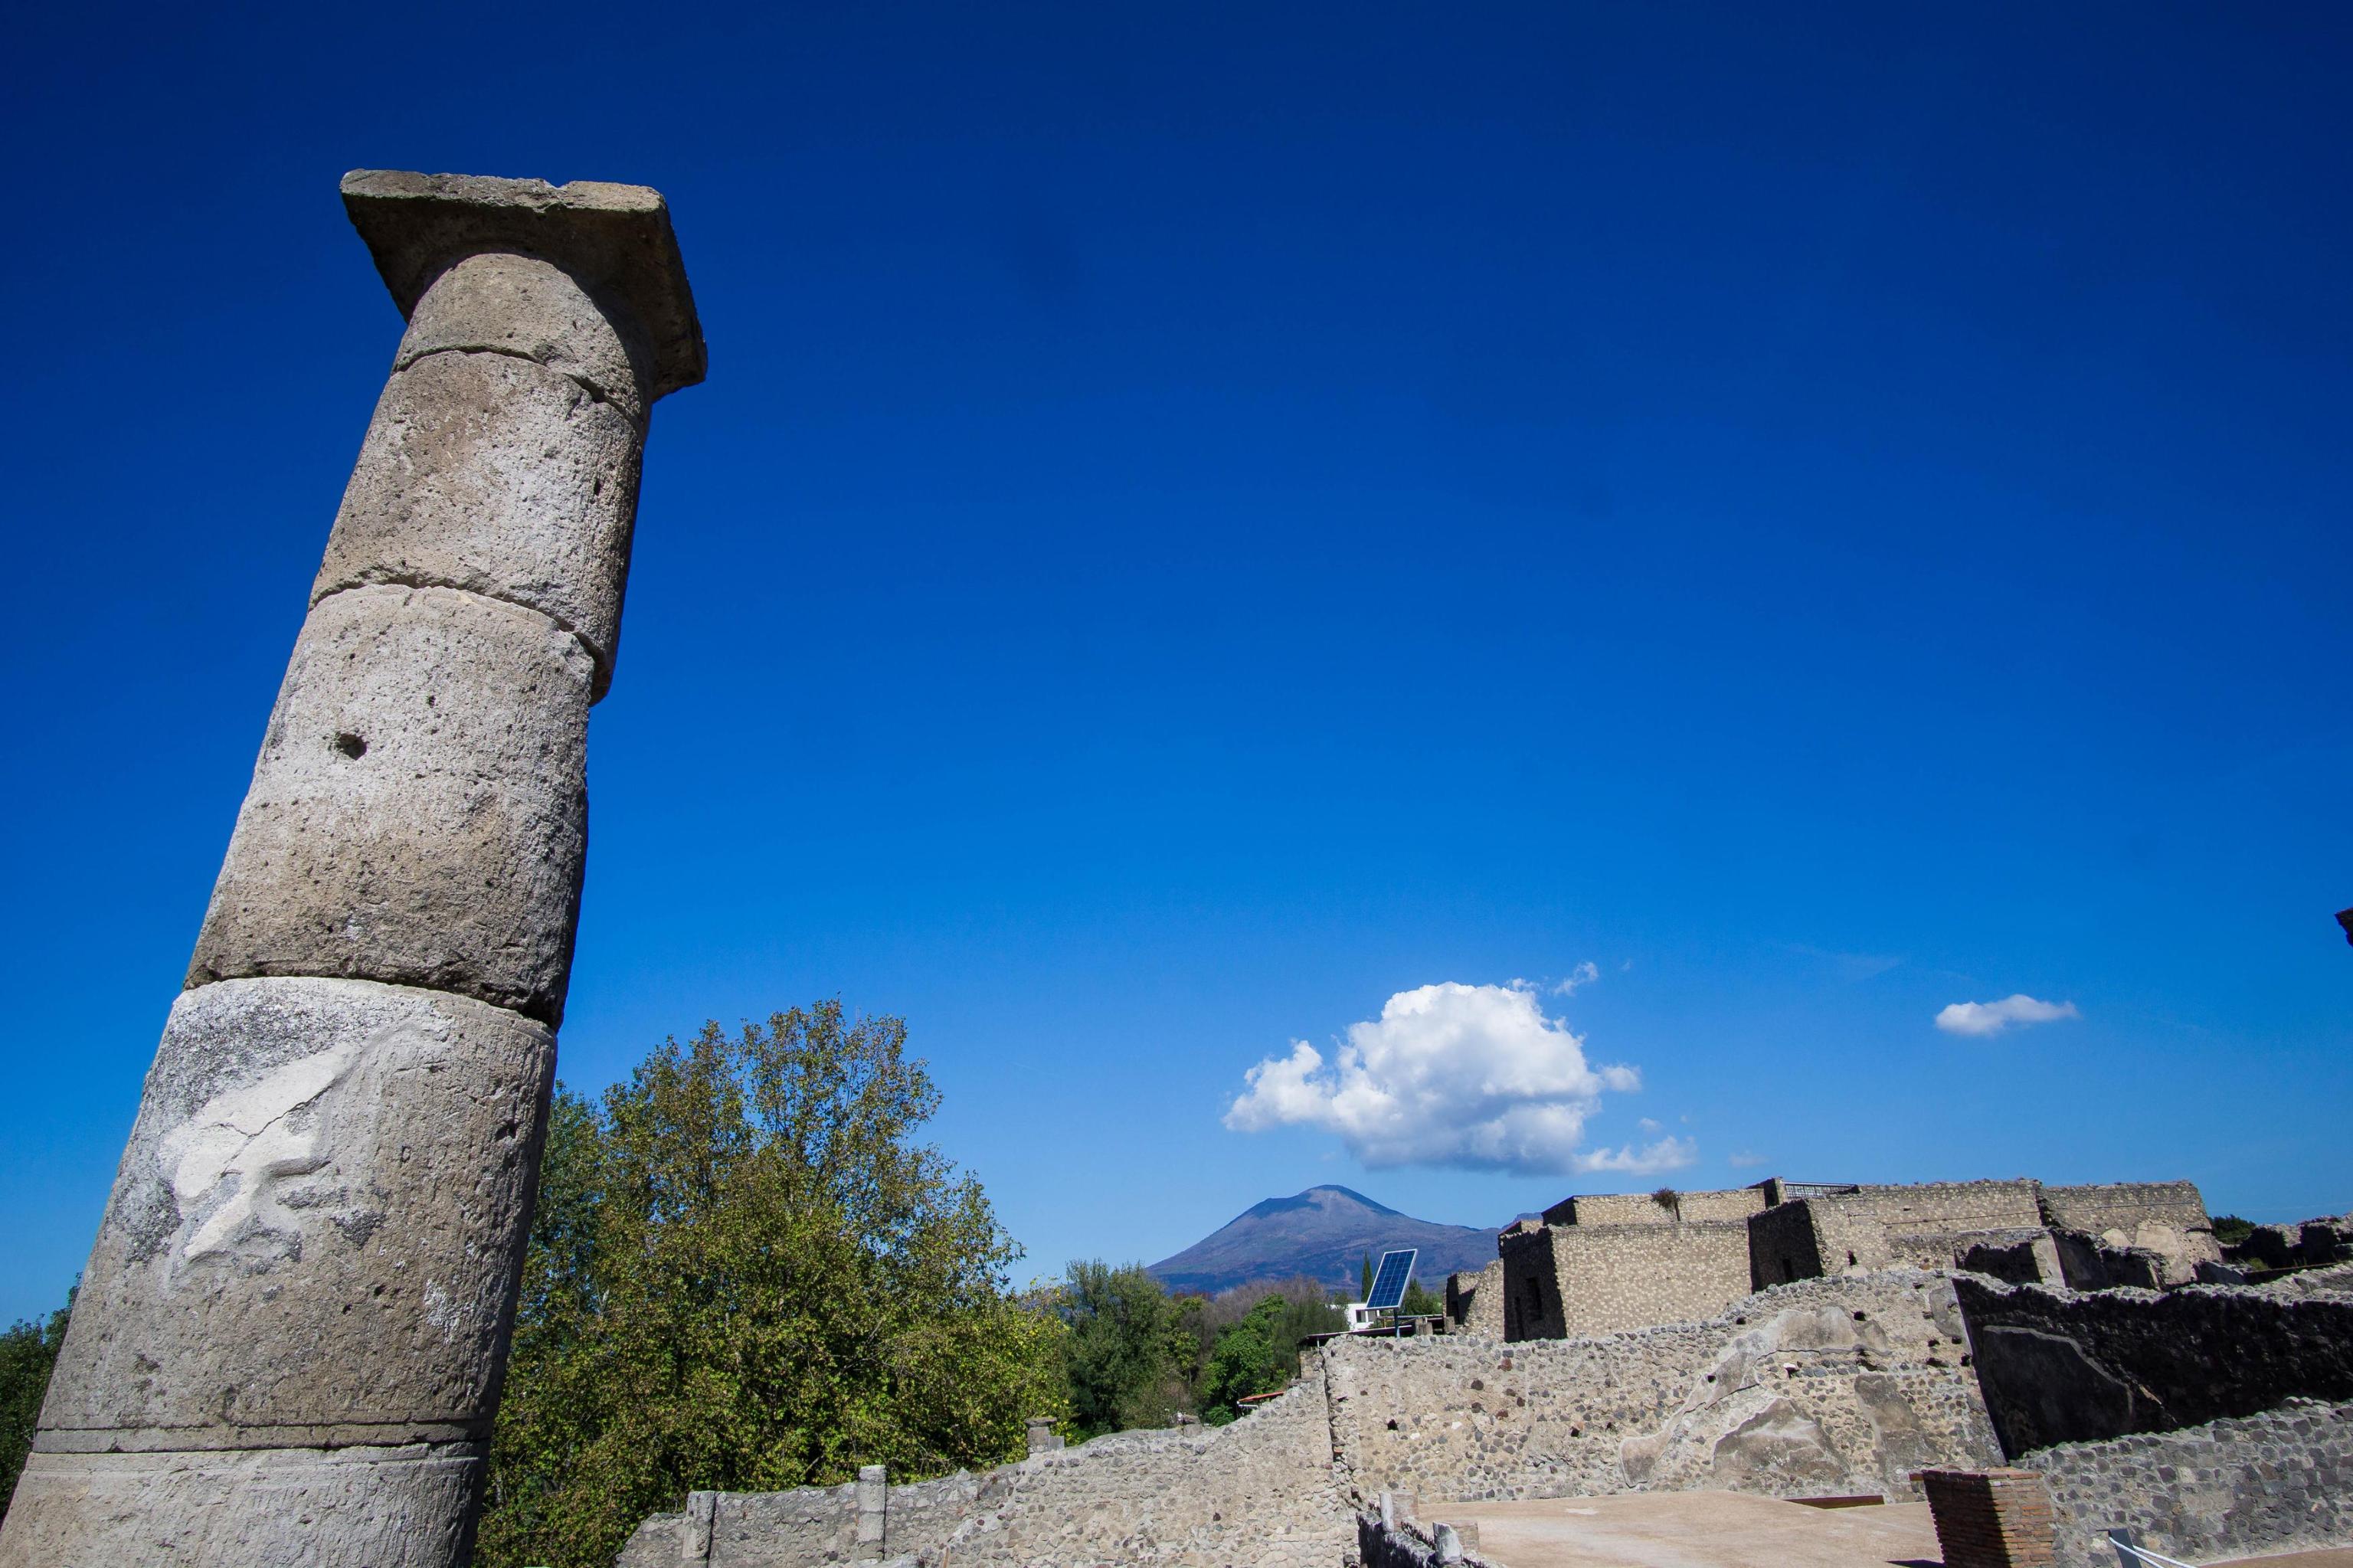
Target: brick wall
column 1991, row 1519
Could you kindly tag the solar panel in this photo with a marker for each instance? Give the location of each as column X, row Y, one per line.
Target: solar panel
column 1389, row 1285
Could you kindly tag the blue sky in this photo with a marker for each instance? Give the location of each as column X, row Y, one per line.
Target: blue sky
column 1205, row 519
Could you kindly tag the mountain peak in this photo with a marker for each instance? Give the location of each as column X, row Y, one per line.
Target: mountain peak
column 1323, row 1198
column 1325, row 1233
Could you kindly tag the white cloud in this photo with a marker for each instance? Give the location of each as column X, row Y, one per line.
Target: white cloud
column 1649, row 1125
column 1745, row 1160
column 1583, row 974
column 1469, row 1075
column 1666, row 1154
column 1983, row 1018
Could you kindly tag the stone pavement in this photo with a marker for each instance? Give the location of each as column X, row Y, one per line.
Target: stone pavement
column 1694, row 1529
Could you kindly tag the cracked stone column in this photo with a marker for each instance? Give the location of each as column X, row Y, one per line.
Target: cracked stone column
column 289, row 1337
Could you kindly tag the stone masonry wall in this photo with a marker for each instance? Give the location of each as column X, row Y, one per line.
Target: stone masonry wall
column 1531, row 1283
column 1783, row 1246
column 2167, row 1218
column 2061, row 1367
column 1838, row 1385
column 1879, row 1227
column 1633, row 1277
column 1474, row 1302
column 2273, row 1482
column 1263, row 1490
column 1642, row 1209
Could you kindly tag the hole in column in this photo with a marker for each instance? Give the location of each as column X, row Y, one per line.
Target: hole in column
column 351, row 745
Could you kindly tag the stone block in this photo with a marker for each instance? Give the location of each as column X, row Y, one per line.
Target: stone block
column 418, row 814
column 403, row 1507
column 616, row 239
column 490, row 473
column 316, row 1229
column 528, row 307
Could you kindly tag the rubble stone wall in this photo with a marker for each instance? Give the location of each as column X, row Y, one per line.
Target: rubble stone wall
column 1474, row 1302
column 1784, row 1246
column 2279, row 1481
column 1838, row 1385
column 1643, row 1209
column 2057, row 1366
column 1263, row 1490
column 1612, row 1278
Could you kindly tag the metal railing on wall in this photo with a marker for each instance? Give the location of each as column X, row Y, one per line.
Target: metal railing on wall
column 2132, row 1555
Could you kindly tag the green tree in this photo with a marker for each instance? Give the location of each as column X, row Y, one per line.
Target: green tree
column 1129, row 1350
column 746, row 1274
column 28, row 1354
column 1421, row 1303
column 2229, row 1229
column 1260, row 1354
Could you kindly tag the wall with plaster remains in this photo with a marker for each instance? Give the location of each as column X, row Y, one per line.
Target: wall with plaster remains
column 2275, row 1482
column 2059, row 1366
column 1832, row 1386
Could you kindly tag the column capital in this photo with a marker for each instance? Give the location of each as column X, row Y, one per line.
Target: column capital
column 614, row 239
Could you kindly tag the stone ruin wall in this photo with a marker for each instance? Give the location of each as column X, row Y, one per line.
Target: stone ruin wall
column 1569, row 1280
column 1840, row 1386
column 2058, row 1366
column 2152, row 1232
column 1833, row 1386
column 1474, row 1302
column 2275, row 1482
column 1613, row 1278
column 1642, row 1209
column 1263, row 1490
column 1916, row 1226
column 1783, row 1247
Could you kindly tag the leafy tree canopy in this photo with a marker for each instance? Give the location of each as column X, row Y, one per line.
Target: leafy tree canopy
column 746, row 1274
column 1259, row 1354
column 1130, row 1351
column 28, row 1352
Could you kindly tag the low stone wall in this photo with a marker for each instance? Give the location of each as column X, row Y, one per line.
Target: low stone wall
column 1263, row 1491
column 1406, row 1545
column 1840, row 1385
column 2060, row 1367
column 2275, row 1482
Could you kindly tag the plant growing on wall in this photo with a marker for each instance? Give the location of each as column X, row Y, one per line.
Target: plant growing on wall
column 1670, row 1200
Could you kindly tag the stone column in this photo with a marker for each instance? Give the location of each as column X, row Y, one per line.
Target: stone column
column 290, row 1337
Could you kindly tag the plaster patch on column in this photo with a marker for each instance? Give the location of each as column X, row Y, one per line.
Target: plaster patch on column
column 238, row 1168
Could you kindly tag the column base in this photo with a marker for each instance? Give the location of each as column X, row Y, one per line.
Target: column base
column 407, row 1507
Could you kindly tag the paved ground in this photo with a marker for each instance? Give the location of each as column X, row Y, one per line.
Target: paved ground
column 1725, row 1529
column 1695, row 1529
